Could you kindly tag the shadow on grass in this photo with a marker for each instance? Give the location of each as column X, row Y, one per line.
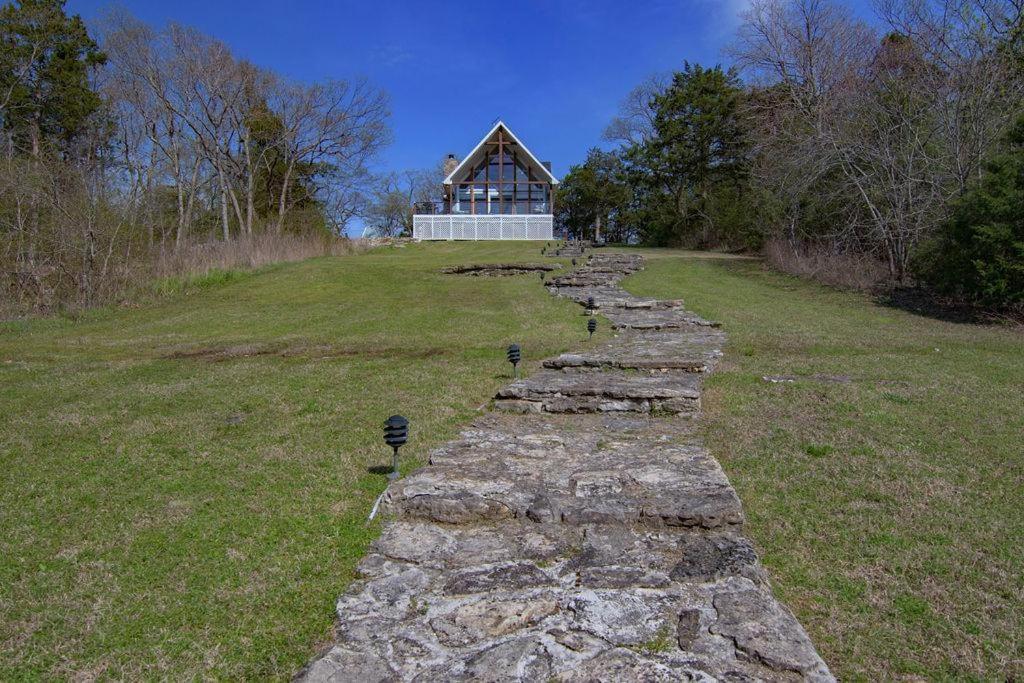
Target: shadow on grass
column 920, row 302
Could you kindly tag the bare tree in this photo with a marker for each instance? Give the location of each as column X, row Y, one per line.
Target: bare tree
column 141, row 83
column 337, row 125
column 895, row 126
column 634, row 125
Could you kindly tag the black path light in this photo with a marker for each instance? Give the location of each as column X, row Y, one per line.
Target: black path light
column 591, row 305
column 591, row 327
column 396, row 433
column 574, row 262
column 514, row 357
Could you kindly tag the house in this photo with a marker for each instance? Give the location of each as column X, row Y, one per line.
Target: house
column 499, row 191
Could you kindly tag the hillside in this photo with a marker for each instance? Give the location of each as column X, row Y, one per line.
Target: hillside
column 185, row 485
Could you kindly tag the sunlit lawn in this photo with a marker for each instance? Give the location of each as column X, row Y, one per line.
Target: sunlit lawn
column 185, row 485
column 887, row 494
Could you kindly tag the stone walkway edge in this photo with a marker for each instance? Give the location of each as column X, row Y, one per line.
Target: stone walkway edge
column 578, row 532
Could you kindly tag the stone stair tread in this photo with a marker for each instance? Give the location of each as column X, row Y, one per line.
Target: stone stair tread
column 536, row 602
column 580, row 478
column 694, row 350
column 555, row 391
column 604, row 384
column 657, row 319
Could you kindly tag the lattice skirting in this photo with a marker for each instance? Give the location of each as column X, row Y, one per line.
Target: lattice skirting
column 502, row 227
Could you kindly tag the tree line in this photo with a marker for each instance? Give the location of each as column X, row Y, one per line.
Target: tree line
column 130, row 142
column 897, row 142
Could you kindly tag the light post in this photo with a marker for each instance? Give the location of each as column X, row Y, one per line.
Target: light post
column 514, row 357
column 396, row 433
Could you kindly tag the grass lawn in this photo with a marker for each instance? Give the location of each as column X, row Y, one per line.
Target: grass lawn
column 887, row 495
column 184, row 486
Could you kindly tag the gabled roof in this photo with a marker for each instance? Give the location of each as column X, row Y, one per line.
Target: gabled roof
column 477, row 154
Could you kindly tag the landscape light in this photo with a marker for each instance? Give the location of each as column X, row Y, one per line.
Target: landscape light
column 396, row 433
column 590, row 305
column 574, row 262
column 591, row 327
column 514, row 358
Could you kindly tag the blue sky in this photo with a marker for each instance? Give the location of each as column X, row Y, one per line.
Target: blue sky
column 555, row 71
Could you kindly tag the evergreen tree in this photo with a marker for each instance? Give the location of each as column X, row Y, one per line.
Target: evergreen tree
column 979, row 256
column 45, row 59
column 590, row 196
column 695, row 163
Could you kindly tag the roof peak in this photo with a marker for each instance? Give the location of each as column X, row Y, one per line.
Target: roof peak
column 500, row 123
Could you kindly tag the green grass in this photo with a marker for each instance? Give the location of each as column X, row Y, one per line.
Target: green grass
column 889, row 508
column 184, row 486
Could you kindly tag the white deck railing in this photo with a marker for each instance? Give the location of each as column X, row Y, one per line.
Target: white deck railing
column 483, row 227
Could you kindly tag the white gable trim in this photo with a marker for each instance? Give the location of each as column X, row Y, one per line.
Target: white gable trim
column 500, row 124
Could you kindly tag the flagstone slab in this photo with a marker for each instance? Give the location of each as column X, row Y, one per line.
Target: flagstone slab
column 648, row 319
column 691, row 350
column 552, row 391
column 537, row 608
column 588, row 476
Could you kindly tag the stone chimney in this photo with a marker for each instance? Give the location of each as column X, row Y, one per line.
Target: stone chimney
column 450, row 164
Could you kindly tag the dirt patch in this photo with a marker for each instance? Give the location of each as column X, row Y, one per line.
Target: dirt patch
column 219, row 354
column 500, row 269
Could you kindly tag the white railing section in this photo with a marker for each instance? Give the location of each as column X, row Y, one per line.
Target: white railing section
column 486, row 227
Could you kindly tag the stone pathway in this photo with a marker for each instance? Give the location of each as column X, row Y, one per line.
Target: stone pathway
column 582, row 532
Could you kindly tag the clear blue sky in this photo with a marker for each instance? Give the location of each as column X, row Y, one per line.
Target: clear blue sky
column 555, row 71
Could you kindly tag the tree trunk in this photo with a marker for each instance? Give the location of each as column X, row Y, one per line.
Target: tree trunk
column 224, row 208
column 282, row 205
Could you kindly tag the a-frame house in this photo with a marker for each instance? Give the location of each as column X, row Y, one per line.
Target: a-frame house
column 499, row 191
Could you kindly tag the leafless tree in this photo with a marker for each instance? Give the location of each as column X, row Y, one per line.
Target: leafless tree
column 634, row 124
column 336, row 124
column 190, row 140
column 887, row 129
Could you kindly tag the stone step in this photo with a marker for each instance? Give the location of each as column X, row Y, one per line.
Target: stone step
column 593, row 475
column 612, row 297
column 551, row 391
column 654, row 319
column 581, row 279
column 696, row 350
column 534, row 602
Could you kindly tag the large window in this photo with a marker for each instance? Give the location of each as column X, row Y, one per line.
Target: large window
column 501, row 183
